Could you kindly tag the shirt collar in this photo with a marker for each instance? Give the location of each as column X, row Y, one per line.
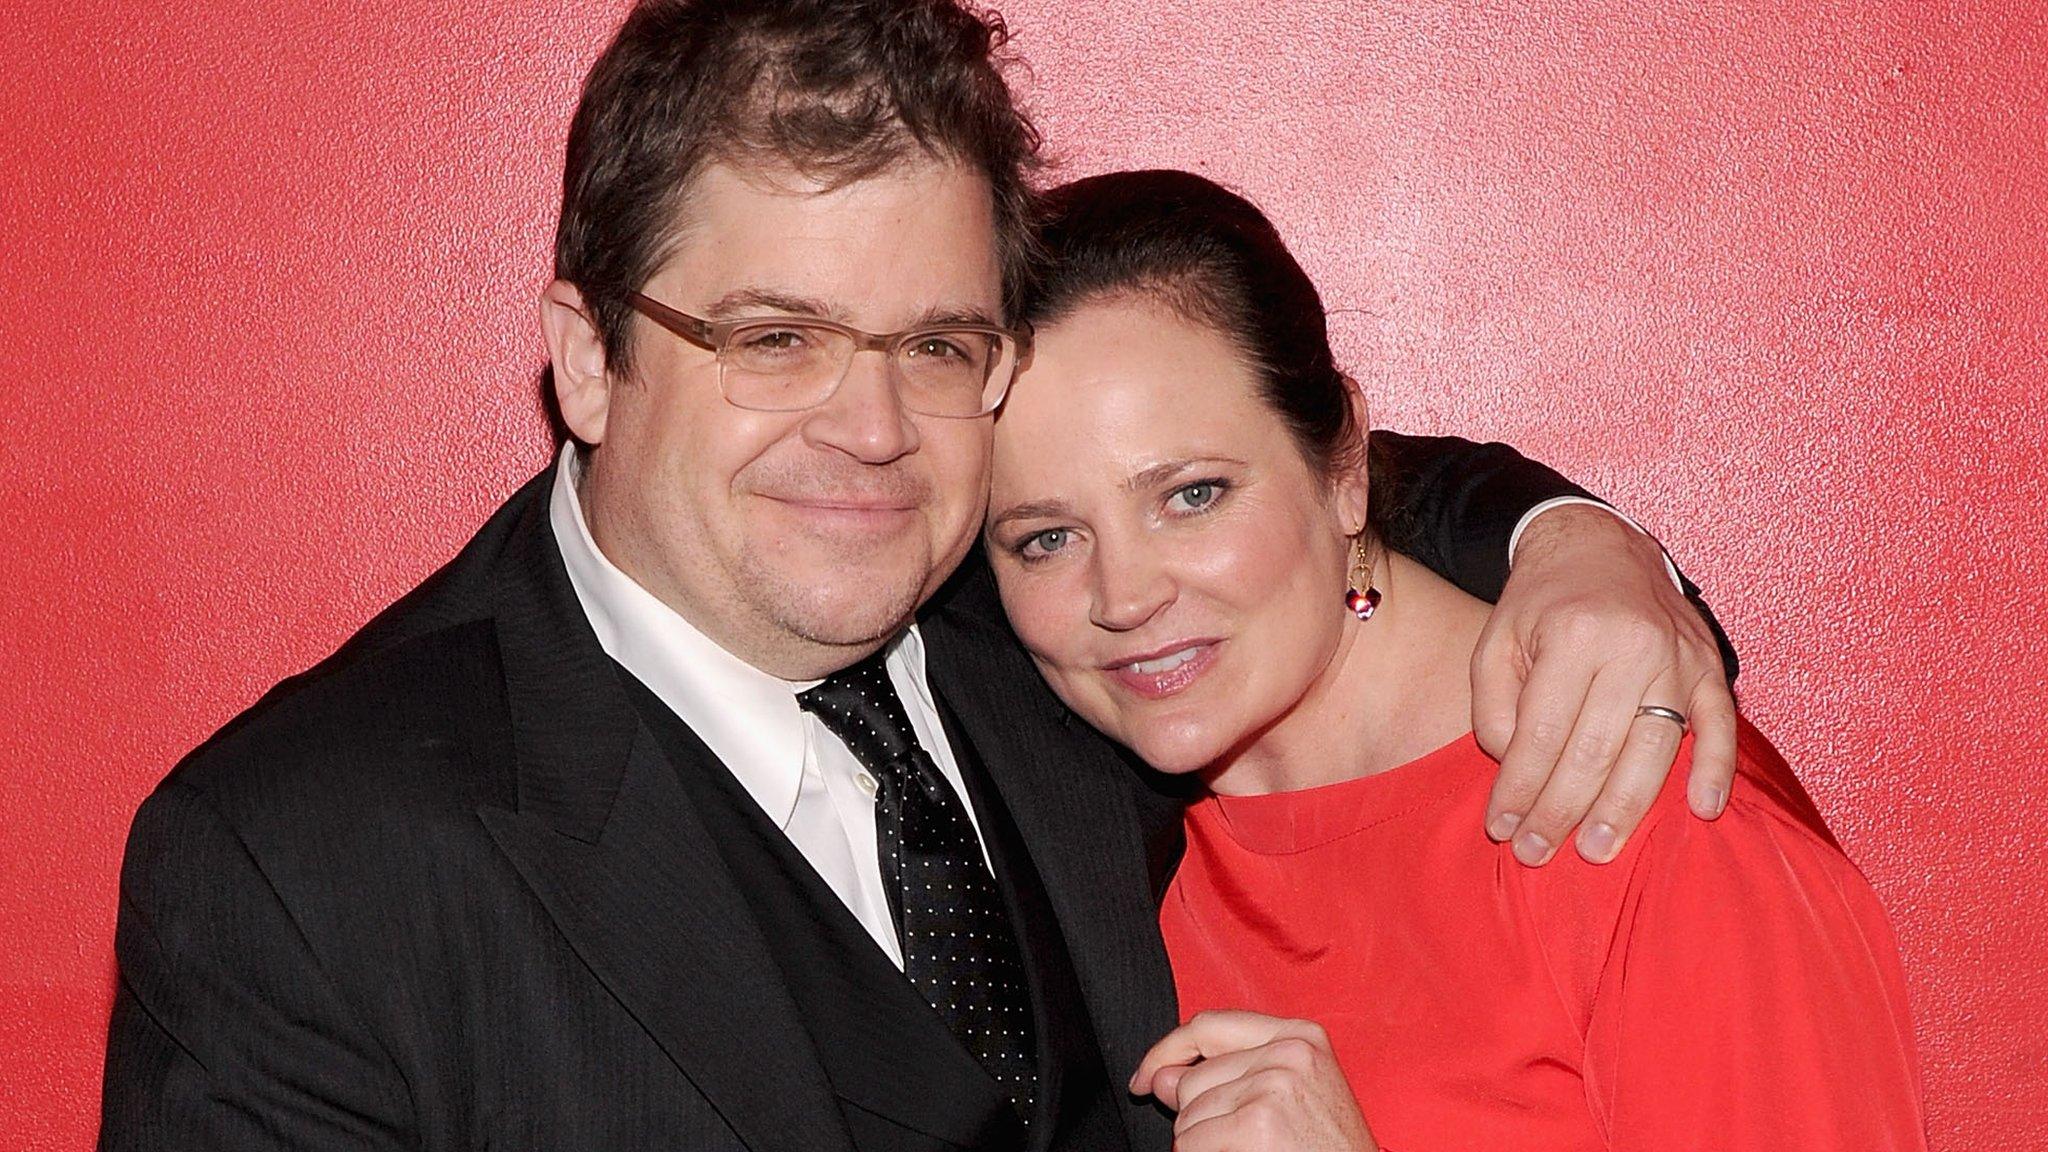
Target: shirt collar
column 749, row 719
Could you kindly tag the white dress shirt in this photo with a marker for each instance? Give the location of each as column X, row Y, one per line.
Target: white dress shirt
column 1529, row 517
column 794, row 767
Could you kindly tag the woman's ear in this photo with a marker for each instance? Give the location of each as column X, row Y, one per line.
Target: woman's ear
column 583, row 386
column 1352, row 485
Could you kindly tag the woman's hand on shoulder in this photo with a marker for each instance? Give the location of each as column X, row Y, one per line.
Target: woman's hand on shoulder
column 1251, row 1083
column 1590, row 630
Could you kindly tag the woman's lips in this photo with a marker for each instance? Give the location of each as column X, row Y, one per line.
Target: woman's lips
column 1168, row 670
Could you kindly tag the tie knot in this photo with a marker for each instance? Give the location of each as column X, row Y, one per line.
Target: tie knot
column 861, row 707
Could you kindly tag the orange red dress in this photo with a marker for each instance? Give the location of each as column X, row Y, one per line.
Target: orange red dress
column 1724, row 985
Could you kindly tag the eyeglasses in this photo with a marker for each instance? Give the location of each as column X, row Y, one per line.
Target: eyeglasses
column 790, row 363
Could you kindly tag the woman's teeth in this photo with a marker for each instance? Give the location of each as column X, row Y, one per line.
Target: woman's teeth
column 1165, row 663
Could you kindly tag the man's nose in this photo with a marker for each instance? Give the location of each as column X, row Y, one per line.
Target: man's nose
column 1133, row 583
column 864, row 417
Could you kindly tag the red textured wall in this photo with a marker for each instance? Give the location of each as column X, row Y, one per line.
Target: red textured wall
column 1770, row 273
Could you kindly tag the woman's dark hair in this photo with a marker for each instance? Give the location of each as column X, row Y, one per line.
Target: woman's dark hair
column 1213, row 258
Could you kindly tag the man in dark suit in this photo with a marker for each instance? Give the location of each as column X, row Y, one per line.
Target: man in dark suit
column 704, row 800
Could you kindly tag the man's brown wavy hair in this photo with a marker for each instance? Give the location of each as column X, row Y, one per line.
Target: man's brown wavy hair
column 834, row 90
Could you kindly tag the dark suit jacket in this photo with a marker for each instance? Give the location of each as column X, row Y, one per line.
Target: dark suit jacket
column 445, row 891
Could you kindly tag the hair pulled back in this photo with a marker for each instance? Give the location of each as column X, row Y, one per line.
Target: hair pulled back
column 1213, row 258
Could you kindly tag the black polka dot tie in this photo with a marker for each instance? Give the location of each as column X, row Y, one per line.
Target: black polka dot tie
column 958, row 948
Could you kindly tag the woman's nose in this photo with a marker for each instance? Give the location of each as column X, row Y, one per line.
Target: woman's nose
column 1132, row 585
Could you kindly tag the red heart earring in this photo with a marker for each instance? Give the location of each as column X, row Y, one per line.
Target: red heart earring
column 1362, row 604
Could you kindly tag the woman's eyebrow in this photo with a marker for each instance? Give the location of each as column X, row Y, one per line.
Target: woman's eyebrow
column 1160, row 473
column 1144, row 478
column 1031, row 510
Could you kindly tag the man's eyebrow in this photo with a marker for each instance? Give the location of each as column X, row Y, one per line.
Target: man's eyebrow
column 754, row 299
column 940, row 317
column 740, row 301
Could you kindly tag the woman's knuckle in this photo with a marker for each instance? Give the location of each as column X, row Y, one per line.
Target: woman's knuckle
column 1293, row 1051
column 1262, row 1118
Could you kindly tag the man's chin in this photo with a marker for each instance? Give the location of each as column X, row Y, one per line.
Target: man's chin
column 851, row 608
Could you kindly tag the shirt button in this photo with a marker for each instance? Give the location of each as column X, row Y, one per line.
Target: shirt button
column 866, row 784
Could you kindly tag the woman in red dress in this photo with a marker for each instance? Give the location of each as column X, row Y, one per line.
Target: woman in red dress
column 1182, row 528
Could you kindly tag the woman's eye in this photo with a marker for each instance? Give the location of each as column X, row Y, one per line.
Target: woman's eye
column 1196, row 496
column 1042, row 544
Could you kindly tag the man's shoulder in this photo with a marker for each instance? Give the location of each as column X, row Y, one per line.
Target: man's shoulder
column 968, row 605
column 416, row 722
column 410, row 707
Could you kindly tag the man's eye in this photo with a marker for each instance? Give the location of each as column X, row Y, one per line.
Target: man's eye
column 938, row 348
column 774, row 340
column 1041, row 544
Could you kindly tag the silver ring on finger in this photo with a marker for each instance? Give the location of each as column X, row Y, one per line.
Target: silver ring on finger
column 1663, row 713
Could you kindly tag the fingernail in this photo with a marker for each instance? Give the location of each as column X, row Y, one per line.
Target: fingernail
column 1131, row 1085
column 1717, row 799
column 1532, row 849
column 1503, row 826
column 1598, row 842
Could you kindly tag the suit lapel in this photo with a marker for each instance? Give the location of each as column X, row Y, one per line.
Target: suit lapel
column 1074, row 1094
column 883, row 1046
column 1071, row 798
column 624, row 865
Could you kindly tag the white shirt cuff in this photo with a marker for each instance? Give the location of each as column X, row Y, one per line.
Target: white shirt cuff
column 1529, row 517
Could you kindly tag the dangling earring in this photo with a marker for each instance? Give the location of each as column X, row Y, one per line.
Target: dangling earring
column 1362, row 604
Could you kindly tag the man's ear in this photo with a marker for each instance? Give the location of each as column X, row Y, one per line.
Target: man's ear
column 1352, row 484
column 583, row 387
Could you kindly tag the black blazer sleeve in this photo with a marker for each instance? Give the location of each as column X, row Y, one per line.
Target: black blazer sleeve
column 1452, row 504
column 226, row 1034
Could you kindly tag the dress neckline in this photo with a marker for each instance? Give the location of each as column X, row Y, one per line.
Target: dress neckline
column 1282, row 823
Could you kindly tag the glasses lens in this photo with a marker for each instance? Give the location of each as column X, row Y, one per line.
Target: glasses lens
column 947, row 372
column 788, row 365
column 782, row 365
